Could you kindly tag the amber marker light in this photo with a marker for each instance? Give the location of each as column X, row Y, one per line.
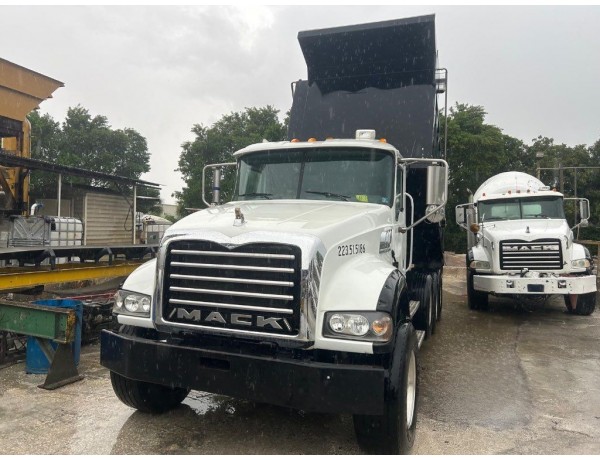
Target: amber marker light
column 474, row 228
column 382, row 327
column 295, row 140
column 312, row 139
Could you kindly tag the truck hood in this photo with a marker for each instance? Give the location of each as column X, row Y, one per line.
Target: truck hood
column 526, row 230
column 331, row 222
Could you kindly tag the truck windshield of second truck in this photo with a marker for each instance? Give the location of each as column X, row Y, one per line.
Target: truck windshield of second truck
column 521, row 208
column 338, row 174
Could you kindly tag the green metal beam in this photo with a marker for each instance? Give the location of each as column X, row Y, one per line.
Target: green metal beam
column 56, row 324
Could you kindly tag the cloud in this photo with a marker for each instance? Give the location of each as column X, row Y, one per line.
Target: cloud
column 162, row 69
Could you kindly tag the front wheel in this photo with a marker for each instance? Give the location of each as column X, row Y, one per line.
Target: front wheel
column 585, row 305
column 393, row 432
column 477, row 300
column 147, row 397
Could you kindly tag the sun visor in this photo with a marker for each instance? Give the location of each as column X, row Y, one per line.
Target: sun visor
column 384, row 55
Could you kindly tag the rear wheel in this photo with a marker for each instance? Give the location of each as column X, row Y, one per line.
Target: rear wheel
column 437, row 293
column 147, row 397
column 423, row 291
column 394, row 431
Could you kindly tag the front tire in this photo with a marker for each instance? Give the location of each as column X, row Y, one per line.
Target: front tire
column 394, row 431
column 585, row 306
column 147, row 397
column 477, row 300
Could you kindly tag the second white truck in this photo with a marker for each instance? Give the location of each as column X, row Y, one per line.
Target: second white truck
column 520, row 244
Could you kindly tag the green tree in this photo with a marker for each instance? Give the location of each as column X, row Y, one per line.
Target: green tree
column 45, row 140
column 216, row 144
column 87, row 142
column 476, row 151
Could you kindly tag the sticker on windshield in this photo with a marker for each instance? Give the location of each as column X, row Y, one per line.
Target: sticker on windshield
column 351, row 249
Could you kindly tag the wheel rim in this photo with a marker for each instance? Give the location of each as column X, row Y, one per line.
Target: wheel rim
column 411, row 389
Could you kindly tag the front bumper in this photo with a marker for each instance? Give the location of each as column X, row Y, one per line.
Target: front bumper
column 304, row 385
column 501, row 284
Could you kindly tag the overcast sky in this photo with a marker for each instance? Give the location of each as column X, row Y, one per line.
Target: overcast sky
column 160, row 70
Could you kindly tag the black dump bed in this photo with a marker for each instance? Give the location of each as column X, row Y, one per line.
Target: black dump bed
column 371, row 76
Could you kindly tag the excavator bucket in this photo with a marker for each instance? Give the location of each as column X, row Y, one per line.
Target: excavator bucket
column 370, row 76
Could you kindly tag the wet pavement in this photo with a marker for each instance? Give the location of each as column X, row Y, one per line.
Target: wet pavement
column 505, row 381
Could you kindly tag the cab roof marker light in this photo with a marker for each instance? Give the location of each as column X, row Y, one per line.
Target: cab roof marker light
column 312, row 139
column 365, row 134
column 295, row 140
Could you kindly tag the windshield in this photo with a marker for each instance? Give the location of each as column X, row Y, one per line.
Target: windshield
column 521, row 208
column 339, row 174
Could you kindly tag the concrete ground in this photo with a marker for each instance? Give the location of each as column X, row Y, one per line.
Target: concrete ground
column 505, row 381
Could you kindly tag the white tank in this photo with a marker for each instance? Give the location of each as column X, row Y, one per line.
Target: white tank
column 511, row 180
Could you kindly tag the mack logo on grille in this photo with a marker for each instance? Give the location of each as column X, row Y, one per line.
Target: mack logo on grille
column 238, row 319
column 252, row 288
column 536, row 247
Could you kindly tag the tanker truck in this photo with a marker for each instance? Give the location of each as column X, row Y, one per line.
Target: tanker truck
column 314, row 287
column 520, row 244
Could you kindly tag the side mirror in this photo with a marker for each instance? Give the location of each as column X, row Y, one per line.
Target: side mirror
column 398, row 204
column 584, row 210
column 216, row 187
column 461, row 215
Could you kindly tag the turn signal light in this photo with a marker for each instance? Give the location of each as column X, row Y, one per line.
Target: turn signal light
column 474, row 228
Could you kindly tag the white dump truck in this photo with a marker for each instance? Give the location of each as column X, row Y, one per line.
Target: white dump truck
column 520, row 244
column 314, row 287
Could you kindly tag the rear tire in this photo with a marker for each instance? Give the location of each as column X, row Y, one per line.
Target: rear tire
column 394, row 431
column 424, row 319
column 147, row 397
column 437, row 291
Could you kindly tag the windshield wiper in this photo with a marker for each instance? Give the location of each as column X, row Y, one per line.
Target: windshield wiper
column 329, row 194
column 257, row 194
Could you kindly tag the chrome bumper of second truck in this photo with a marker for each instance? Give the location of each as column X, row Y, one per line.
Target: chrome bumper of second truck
column 533, row 283
column 299, row 384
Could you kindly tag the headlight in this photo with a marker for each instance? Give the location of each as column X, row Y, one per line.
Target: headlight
column 132, row 303
column 580, row 263
column 367, row 326
column 480, row 265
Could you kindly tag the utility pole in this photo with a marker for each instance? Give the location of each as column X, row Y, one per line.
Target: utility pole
column 562, row 178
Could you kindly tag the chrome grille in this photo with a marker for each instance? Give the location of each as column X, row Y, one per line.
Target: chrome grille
column 533, row 255
column 253, row 287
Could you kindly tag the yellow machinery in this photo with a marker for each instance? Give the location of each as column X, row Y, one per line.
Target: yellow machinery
column 21, row 91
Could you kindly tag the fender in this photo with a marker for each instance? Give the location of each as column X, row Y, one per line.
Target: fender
column 354, row 285
column 142, row 279
column 393, row 299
